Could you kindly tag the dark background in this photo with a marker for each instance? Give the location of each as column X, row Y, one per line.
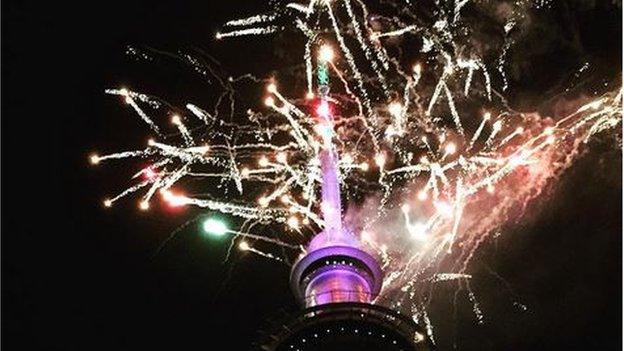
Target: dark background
column 76, row 276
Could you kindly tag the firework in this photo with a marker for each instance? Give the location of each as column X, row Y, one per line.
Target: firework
column 415, row 150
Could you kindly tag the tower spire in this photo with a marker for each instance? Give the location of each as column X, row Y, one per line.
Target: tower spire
column 335, row 268
column 331, row 206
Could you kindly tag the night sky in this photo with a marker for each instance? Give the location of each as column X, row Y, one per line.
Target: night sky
column 77, row 276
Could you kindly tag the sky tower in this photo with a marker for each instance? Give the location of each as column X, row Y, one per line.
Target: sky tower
column 337, row 280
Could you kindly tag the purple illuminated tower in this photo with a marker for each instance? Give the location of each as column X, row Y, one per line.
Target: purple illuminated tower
column 335, row 268
column 336, row 279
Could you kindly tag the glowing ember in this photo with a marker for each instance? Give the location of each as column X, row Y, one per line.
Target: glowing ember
column 214, row 227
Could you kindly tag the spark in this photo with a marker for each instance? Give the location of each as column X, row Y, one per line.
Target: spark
column 215, row 227
column 450, row 148
column 326, row 53
column 94, row 159
column 144, row 205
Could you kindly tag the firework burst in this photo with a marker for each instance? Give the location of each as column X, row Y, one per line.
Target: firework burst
column 428, row 155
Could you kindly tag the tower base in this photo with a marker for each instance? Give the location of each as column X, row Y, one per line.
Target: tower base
column 347, row 326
